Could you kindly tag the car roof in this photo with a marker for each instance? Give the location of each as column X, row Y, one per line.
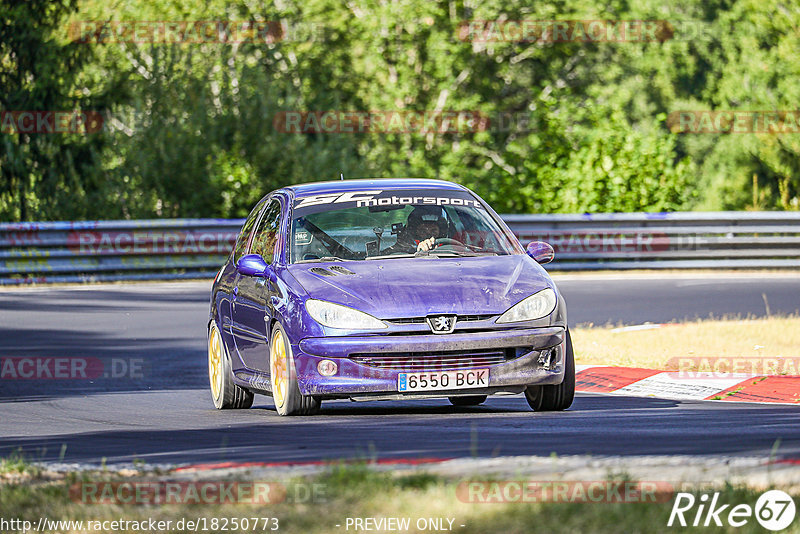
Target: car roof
column 344, row 186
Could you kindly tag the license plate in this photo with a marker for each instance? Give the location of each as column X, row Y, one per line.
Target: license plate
column 474, row 378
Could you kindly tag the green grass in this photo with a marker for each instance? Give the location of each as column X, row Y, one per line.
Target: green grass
column 16, row 464
column 358, row 491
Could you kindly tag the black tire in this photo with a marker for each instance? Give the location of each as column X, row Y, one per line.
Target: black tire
column 293, row 402
column 226, row 395
column 559, row 396
column 472, row 400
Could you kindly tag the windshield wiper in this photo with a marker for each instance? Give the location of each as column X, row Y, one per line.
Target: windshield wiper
column 324, row 258
column 444, row 254
column 390, row 256
column 434, row 254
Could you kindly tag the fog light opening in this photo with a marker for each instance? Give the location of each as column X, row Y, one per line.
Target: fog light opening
column 547, row 358
column 327, row 367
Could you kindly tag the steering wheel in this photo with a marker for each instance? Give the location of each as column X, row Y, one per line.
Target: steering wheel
column 443, row 241
column 447, row 241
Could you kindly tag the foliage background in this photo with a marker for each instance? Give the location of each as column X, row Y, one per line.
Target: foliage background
column 192, row 131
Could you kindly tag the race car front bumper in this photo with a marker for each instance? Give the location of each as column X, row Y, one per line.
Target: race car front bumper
column 370, row 365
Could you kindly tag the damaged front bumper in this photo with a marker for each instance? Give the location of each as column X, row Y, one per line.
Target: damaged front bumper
column 368, row 366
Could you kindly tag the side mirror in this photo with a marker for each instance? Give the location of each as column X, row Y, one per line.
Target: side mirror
column 252, row 265
column 540, row 251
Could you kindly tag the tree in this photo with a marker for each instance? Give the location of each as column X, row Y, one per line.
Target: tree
column 46, row 175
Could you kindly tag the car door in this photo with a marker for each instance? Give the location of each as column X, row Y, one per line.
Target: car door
column 227, row 297
column 252, row 309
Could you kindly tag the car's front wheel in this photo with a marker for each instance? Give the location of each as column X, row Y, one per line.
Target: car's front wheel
column 224, row 392
column 283, row 379
column 558, row 396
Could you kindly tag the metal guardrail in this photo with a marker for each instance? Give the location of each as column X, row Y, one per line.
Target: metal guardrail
column 53, row 252
column 686, row 240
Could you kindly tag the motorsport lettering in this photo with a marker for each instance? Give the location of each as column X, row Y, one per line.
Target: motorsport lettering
column 367, row 198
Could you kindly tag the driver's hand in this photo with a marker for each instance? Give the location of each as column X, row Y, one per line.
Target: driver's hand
column 426, row 245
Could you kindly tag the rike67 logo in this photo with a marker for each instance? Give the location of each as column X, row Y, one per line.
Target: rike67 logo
column 774, row 510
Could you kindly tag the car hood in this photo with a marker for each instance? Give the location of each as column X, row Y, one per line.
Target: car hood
column 416, row 287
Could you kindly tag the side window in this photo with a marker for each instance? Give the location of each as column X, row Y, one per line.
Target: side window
column 244, row 235
column 268, row 230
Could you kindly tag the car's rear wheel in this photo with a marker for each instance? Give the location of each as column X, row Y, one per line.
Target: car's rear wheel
column 283, row 379
column 471, row 400
column 224, row 392
column 558, row 396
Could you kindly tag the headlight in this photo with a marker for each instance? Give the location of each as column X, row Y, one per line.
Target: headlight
column 534, row 307
column 338, row 316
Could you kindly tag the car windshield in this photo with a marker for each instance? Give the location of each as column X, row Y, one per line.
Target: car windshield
column 368, row 225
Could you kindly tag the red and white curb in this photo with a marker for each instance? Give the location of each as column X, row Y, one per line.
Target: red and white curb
column 729, row 387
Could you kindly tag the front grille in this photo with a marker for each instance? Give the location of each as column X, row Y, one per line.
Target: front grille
column 465, row 318
column 436, row 361
column 407, row 320
column 421, row 320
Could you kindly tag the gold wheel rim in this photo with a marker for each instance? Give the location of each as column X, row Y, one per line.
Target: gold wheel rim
column 215, row 362
column 279, row 372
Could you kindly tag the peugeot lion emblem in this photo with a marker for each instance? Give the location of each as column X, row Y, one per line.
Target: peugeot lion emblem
column 442, row 324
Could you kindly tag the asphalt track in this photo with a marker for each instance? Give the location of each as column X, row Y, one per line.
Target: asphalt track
column 159, row 409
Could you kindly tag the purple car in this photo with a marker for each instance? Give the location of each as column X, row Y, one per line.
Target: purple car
column 385, row 289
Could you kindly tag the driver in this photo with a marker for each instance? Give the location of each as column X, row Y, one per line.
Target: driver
column 425, row 224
